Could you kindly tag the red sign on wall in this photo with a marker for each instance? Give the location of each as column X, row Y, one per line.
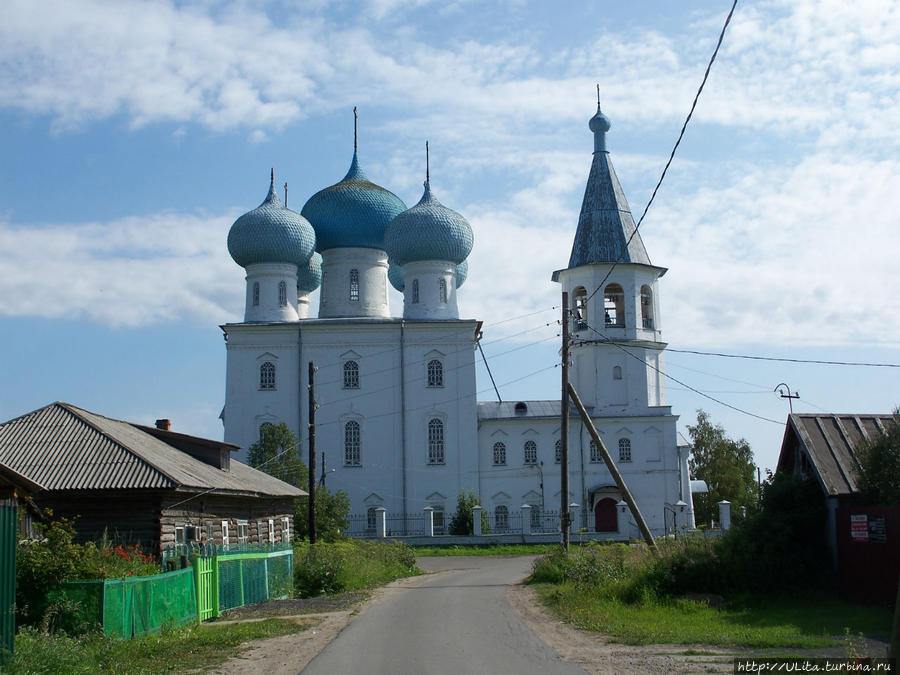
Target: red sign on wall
column 859, row 527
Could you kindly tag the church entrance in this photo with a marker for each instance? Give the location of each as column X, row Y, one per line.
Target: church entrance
column 605, row 515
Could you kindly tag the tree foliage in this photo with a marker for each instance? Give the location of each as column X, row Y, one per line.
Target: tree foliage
column 277, row 453
column 332, row 509
column 725, row 464
column 463, row 521
column 879, row 465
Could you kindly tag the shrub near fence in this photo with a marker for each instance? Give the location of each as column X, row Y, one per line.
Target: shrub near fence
column 130, row 607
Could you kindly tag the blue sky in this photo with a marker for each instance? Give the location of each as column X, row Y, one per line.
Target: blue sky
column 132, row 134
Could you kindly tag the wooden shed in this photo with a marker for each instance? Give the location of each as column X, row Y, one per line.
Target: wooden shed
column 144, row 485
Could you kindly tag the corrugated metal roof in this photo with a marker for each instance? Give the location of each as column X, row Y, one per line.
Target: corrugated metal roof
column 63, row 447
column 830, row 442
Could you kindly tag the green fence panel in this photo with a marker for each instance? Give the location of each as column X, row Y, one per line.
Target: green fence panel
column 206, row 581
column 8, row 525
column 249, row 577
column 116, row 609
column 85, row 601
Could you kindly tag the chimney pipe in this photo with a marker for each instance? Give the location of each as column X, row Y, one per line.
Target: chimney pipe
column 164, row 424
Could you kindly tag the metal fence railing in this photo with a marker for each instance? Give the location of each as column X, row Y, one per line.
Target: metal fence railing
column 365, row 525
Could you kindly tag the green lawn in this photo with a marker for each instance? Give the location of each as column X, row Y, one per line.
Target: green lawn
column 173, row 650
column 801, row 622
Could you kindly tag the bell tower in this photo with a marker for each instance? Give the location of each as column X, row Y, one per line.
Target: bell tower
column 617, row 347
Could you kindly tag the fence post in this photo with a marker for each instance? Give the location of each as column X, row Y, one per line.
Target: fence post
column 622, row 518
column 476, row 520
column 526, row 518
column 573, row 514
column 725, row 515
column 380, row 522
column 429, row 521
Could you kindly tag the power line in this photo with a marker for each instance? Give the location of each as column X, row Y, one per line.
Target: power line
column 683, row 384
column 674, row 148
column 788, row 360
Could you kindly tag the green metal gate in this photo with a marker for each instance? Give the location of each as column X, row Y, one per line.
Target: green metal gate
column 8, row 526
column 206, row 575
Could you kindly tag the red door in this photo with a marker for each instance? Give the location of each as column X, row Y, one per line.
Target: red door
column 605, row 515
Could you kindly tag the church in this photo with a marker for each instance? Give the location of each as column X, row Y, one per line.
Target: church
column 397, row 413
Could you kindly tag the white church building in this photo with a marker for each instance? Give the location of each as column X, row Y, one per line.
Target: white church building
column 397, row 412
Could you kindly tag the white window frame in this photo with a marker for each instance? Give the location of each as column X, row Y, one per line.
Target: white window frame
column 529, row 451
column 282, row 294
column 352, row 443
column 499, row 453
column 436, row 441
column 260, row 532
column 596, row 457
column 243, row 532
column 267, row 375
column 180, row 535
column 226, row 538
column 272, row 531
column 435, row 373
column 286, row 530
column 557, row 451
column 351, row 374
column 624, row 449
column 442, row 291
column 256, row 294
column 415, row 291
column 354, row 285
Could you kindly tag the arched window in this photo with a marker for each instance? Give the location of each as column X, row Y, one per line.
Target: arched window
column 581, row 314
column 282, row 294
column 617, row 372
column 415, row 291
column 435, row 373
column 256, row 294
column 530, row 452
column 614, row 305
column 646, row 307
column 442, row 290
column 351, row 375
column 595, row 453
column 535, row 517
column 267, row 375
column 263, row 427
column 370, row 520
column 499, row 453
column 624, row 449
column 557, row 450
column 354, row 285
column 351, row 444
column 435, row 442
column 501, row 518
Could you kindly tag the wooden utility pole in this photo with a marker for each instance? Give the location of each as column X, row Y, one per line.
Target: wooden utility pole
column 564, row 427
column 620, row 482
column 312, row 453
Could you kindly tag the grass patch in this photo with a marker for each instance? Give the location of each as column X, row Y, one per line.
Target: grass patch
column 171, row 650
column 349, row 565
column 486, row 549
column 634, row 597
column 788, row 623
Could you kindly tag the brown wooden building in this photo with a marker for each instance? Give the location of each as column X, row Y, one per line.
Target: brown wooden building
column 864, row 539
column 145, row 485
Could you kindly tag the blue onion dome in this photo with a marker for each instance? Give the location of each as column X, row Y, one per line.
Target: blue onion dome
column 428, row 231
column 462, row 273
column 599, row 122
column 309, row 277
column 352, row 213
column 395, row 276
column 271, row 233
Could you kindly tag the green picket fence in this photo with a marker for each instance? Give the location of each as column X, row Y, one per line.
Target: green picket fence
column 139, row 605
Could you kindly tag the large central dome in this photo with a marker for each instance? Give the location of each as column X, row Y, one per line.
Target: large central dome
column 352, row 213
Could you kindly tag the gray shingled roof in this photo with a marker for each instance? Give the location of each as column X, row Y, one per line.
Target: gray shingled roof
column 605, row 222
column 62, row 447
column 830, row 443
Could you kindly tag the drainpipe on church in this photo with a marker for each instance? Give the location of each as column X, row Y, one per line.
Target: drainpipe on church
column 403, row 424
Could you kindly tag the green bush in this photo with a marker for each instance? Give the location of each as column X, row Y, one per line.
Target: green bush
column 463, row 521
column 349, row 565
column 43, row 564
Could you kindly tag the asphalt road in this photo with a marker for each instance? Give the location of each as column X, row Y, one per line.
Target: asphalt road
column 455, row 622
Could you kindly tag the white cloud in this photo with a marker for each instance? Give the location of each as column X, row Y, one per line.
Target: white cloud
column 128, row 272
